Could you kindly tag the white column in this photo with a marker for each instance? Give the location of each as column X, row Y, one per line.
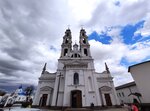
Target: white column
column 55, row 91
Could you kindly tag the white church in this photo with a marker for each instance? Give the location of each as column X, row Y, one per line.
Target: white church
column 75, row 83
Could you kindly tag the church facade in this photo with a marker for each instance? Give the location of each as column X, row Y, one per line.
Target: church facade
column 75, row 83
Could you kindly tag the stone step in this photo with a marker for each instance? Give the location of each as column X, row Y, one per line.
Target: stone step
column 78, row 109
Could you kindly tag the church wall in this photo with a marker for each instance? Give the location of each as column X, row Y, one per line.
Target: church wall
column 60, row 65
column 61, row 91
column 109, row 83
column 116, row 99
column 69, row 86
column 60, row 99
column 39, row 93
column 113, row 99
column 96, row 85
column 85, row 84
column 55, row 91
column 61, row 86
column 88, row 97
column 91, row 65
column 90, row 91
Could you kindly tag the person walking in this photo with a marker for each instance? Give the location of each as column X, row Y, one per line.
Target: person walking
column 134, row 107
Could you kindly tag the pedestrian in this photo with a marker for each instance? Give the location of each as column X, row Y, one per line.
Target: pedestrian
column 134, row 107
column 129, row 107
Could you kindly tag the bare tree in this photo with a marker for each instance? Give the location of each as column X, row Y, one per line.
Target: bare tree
column 28, row 91
column 2, row 93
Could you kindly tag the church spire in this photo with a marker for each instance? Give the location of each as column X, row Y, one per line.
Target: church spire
column 107, row 69
column 66, row 46
column 44, row 68
column 84, row 44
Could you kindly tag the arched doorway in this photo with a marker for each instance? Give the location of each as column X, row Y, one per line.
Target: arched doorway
column 43, row 100
column 106, row 91
column 46, row 93
column 108, row 99
column 76, row 99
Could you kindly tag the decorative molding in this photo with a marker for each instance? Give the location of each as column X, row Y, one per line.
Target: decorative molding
column 104, row 79
column 46, row 88
column 46, row 81
column 91, row 91
column 79, row 85
column 105, row 88
column 47, row 78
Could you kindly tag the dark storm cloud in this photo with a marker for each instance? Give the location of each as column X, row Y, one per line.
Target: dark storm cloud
column 10, row 66
column 25, row 27
column 119, row 15
column 23, row 24
column 22, row 17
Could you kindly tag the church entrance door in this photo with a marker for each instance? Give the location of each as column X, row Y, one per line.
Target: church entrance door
column 43, row 100
column 108, row 100
column 76, row 99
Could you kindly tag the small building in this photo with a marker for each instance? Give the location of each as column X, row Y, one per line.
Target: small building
column 127, row 93
column 17, row 96
column 141, row 75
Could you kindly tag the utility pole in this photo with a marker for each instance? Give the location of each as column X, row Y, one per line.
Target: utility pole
column 60, row 75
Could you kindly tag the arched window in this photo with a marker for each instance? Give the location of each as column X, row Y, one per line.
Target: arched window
column 85, row 52
column 75, row 55
column 67, row 34
column 83, row 34
column 66, row 41
column 65, row 52
column 76, row 78
column 90, row 84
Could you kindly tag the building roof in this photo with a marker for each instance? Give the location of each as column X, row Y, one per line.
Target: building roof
column 137, row 65
column 126, row 85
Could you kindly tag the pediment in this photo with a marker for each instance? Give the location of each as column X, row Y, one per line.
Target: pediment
column 46, row 88
column 105, row 88
column 76, row 62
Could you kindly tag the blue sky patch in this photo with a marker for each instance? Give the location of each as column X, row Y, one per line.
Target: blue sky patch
column 128, row 31
column 145, row 39
column 52, row 48
column 103, row 37
column 124, row 62
column 117, row 3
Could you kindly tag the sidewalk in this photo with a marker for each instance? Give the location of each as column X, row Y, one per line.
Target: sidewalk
column 109, row 109
column 114, row 109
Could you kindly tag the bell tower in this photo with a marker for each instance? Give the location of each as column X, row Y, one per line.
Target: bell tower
column 84, row 44
column 66, row 46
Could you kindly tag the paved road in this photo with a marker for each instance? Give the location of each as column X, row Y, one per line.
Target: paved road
column 32, row 109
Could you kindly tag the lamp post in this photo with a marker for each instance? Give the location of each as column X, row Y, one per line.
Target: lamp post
column 60, row 75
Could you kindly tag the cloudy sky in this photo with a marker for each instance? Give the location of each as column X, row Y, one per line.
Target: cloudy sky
column 31, row 33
